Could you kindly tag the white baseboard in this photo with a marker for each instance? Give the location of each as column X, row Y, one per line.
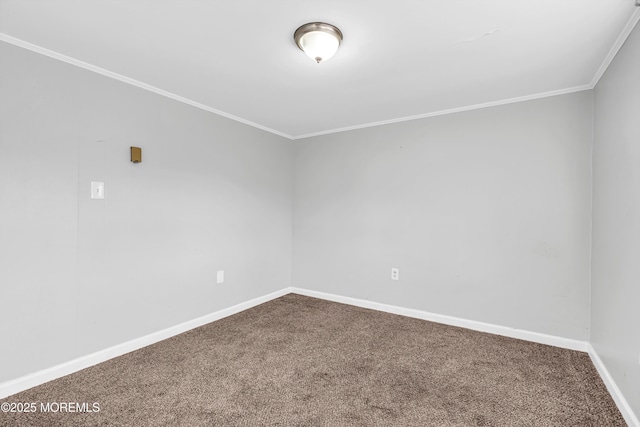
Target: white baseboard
column 537, row 337
column 571, row 344
column 17, row 385
column 614, row 391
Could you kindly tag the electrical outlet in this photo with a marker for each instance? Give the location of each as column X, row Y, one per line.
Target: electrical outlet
column 395, row 273
column 220, row 277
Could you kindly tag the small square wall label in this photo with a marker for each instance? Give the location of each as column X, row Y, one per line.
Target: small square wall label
column 97, row 190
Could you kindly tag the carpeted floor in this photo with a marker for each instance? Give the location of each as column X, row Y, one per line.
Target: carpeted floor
column 300, row 361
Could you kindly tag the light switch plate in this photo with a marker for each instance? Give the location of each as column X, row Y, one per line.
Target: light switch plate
column 97, row 190
column 220, row 277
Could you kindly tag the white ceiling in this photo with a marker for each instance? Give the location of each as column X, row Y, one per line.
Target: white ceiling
column 399, row 59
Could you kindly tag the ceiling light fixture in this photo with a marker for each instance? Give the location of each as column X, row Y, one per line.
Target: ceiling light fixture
column 318, row 40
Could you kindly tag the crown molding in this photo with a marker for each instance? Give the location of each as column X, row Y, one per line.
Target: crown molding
column 69, row 60
column 622, row 37
column 449, row 111
column 624, row 34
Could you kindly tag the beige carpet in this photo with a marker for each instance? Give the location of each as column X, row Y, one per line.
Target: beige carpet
column 300, row 361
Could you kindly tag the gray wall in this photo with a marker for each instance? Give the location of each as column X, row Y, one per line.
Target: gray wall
column 615, row 311
column 486, row 213
column 79, row 275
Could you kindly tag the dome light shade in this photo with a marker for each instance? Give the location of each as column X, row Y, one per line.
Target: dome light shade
column 318, row 40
